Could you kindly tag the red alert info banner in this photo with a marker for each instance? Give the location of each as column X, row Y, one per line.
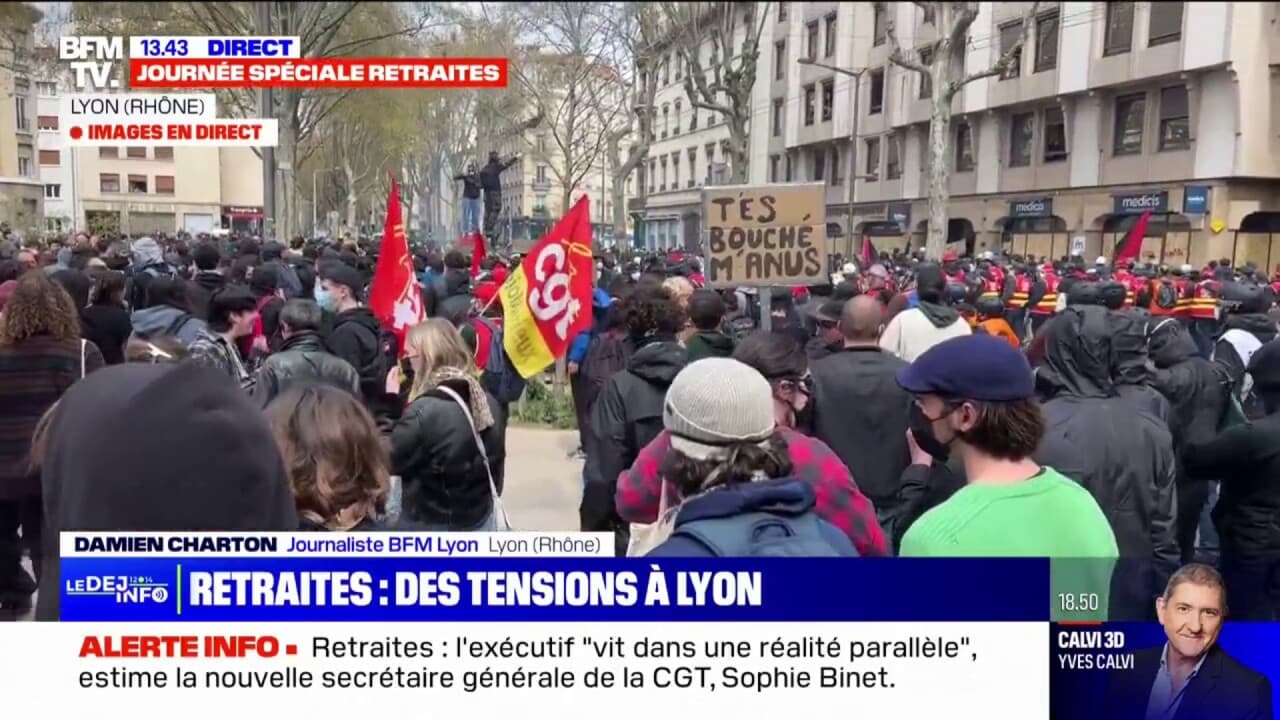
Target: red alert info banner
column 318, row 73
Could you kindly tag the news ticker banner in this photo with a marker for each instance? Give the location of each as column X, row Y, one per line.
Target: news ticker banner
column 103, row 116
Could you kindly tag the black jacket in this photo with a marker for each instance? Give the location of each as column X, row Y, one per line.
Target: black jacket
column 203, row 284
column 862, row 413
column 625, row 417
column 491, row 176
column 1223, row 689
column 1130, row 363
column 434, row 453
column 1121, row 454
column 470, row 185
column 108, row 327
column 455, row 303
column 1195, row 387
column 355, row 338
column 1247, row 460
column 303, row 359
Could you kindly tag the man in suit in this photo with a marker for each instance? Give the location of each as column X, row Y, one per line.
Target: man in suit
column 1190, row 677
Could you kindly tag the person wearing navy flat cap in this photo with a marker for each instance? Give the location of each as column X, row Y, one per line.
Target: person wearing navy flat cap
column 976, row 395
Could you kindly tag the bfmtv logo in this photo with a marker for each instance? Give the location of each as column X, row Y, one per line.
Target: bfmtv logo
column 126, row 589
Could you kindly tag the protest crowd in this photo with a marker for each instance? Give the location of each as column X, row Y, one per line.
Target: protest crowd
column 1120, row 414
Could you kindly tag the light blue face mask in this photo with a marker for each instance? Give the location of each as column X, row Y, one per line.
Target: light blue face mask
column 325, row 299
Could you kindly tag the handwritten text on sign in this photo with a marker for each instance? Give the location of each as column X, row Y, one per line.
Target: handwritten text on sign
column 765, row 235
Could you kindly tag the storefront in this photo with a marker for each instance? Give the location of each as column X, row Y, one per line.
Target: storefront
column 243, row 219
column 1031, row 230
column 1167, row 240
column 888, row 226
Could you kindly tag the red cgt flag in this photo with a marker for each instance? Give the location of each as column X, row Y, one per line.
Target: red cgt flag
column 394, row 297
column 546, row 301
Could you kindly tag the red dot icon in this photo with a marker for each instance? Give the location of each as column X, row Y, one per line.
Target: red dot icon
column 76, row 133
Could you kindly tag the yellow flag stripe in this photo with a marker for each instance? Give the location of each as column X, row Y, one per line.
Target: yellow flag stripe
column 520, row 336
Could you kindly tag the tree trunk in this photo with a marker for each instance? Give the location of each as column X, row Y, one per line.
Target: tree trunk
column 351, row 193
column 286, row 199
column 939, row 174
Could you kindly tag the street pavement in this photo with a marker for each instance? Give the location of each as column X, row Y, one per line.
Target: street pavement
column 543, row 483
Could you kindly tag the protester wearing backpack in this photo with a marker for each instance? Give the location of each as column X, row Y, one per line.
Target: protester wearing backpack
column 358, row 337
column 734, row 477
column 148, row 264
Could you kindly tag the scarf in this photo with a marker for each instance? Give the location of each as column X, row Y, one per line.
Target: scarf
column 476, row 398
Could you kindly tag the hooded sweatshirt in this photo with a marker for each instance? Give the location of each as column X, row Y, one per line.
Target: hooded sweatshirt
column 1129, row 368
column 165, row 321
column 911, row 332
column 166, row 468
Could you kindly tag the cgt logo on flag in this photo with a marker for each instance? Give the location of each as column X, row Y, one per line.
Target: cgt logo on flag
column 393, row 297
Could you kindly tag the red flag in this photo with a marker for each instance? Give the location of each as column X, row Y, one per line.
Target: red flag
column 1132, row 243
column 547, row 299
column 868, row 252
column 394, row 297
column 478, row 251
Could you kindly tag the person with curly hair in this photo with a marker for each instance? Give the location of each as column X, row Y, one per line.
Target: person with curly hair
column 41, row 355
column 627, row 415
column 333, row 452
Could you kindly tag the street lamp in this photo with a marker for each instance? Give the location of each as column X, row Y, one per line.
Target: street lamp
column 315, row 199
column 856, row 74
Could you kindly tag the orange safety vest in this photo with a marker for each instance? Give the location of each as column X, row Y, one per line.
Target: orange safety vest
column 1184, row 289
column 990, row 289
column 1021, row 293
column 1048, row 304
column 1130, row 291
column 1154, row 307
column 999, row 327
column 1204, row 303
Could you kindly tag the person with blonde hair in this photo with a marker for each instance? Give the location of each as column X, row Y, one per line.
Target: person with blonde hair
column 334, row 455
column 449, row 445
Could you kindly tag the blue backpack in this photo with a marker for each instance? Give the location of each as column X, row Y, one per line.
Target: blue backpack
column 764, row 534
column 500, row 376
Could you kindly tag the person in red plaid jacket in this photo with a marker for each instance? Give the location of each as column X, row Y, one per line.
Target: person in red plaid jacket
column 840, row 502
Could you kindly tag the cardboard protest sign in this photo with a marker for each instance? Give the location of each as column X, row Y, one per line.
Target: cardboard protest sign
column 765, row 235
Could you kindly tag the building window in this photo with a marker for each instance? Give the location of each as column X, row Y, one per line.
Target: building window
column 47, row 89
column 1046, row 42
column 662, row 170
column 877, row 91
column 163, row 152
column 653, row 175
column 540, row 174
column 50, row 157
column 811, row 40
column 780, row 60
column 47, row 122
column 828, row 99
column 837, row 178
column 679, row 67
column 675, row 126
column 693, row 163
column 810, row 95
column 1175, row 119
column 1009, row 36
column 20, row 113
column 879, row 31
column 829, row 36
column 709, row 152
column 873, row 158
column 666, row 71
column 775, row 162
column 53, row 191
column 1130, row 112
column 138, row 184
column 777, row 117
column 789, row 167
column 1165, row 23
column 818, row 164
column 1055, row 135
column 24, row 167
column 105, row 152
column 675, row 169
column 964, row 147
column 1022, row 128
column 693, row 119
column 1119, row 31
column 136, row 152
column 109, row 183
column 893, row 158
column 164, row 184
column 782, row 11
column 926, row 80
column 666, row 120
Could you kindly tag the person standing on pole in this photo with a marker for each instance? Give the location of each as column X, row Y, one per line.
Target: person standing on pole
column 491, row 183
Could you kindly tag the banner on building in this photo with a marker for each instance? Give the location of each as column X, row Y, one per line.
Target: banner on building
column 765, row 235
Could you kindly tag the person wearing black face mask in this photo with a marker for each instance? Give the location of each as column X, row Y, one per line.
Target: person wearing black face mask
column 977, row 395
column 1244, row 458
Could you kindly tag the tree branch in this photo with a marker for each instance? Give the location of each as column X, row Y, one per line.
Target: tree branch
column 896, row 54
column 1006, row 57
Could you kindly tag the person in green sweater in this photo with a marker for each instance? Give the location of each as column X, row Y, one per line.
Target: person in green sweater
column 975, row 396
column 706, row 313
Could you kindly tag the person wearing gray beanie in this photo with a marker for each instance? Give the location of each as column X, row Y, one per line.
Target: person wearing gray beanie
column 734, row 474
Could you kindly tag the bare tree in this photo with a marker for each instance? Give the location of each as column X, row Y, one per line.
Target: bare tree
column 722, row 82
column 638, row 24
column 942, row 63
column 17, row 22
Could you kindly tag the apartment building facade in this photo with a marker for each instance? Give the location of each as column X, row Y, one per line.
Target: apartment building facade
column 56, row 163
column 21, row 192
column 1109, row 110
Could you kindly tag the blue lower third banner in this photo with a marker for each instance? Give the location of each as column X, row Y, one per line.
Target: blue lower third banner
column 562, row 589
